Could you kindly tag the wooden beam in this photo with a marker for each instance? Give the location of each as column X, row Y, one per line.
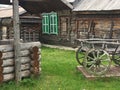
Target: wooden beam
column 16, row 40
column 111, row 29
column 36, row 0
column 67, row 4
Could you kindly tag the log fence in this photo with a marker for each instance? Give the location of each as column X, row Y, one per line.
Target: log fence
column 30, row 55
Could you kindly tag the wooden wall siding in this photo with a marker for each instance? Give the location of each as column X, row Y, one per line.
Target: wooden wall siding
column 30, row 32
column 63, row 30
column 0, row 33
column 73, row 31
column 82, row 29
column 100, row 28
column 30, row 60
column 64, row 13
column 10, row 33
column 63, row 27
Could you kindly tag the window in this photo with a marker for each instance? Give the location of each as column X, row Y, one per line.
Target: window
column 45, row 23
column 50, row 23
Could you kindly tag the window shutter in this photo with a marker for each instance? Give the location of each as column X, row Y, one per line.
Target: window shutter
column 45, row 23
column 53, row 23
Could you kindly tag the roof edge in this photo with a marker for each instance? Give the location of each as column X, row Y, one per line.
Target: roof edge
column 67, row 3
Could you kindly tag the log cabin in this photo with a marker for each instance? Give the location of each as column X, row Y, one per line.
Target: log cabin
column 11, row 50
column 29, row 24
column 63, row 22
column 87, row 19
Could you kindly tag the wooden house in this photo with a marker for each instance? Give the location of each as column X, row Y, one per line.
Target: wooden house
column 97, row 18
column 63, row 22
column 6, row 16
column 88, row 19
column 29, row 24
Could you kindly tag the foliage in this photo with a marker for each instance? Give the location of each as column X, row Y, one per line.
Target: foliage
column 59, row 73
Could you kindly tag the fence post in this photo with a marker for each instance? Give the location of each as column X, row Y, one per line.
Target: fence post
column 16, row 40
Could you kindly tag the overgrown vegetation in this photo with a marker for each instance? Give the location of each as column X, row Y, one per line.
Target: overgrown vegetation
column 59, row 73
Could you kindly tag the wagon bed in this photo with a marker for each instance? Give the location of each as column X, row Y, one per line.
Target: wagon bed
column 110, row 45
column 96, row 54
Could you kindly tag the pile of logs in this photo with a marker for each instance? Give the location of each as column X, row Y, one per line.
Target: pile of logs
column 30, row 60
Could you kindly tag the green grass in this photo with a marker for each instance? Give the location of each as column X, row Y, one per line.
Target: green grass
column 59, row 73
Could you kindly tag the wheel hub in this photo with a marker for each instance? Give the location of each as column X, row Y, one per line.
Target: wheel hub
column 97, row 62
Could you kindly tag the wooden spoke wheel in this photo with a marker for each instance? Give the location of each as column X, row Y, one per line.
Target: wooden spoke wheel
column 97, row 62
column 116, row 58
column 80, row 55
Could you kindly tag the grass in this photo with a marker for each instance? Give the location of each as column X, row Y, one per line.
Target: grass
column 59, row 73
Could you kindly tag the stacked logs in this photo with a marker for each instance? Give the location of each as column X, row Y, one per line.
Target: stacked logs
column 35, row 57
column 30, row 59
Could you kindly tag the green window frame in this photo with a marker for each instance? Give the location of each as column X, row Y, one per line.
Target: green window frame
column 50, row 23
column 53, row 23
column 45, row 23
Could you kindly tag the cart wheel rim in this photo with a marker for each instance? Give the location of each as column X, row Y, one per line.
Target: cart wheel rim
column 97, row 61
column 80, row 55
column 116, row 58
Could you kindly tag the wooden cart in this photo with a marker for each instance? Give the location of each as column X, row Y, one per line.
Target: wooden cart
column 96, row 55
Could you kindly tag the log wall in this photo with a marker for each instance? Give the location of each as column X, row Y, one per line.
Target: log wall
column 30, row 61
column 28, row 32
column 74, row 26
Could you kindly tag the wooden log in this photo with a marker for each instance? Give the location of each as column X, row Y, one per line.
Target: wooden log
column 11, row 76
column 6, row 22
column 0, row 54
column 9, row 55
column 32, row 70
column 10, row 62
column 25, row 67
column 1, row 69
column 35, row 63
column 25, row 73
column 6, row 48
column 29, row 45
column 35, row 70
column 39, row 50
column 24, row 46
column 8, row 77
column 10, row 69
column 1, row 62
column 8, row 41
column 34, row 49
column 35, row 56
column 1, row 78
column 16, row 27
column 39, row 57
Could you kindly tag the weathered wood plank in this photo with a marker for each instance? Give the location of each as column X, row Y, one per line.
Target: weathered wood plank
column 29, row 45
column 10, row 62
column 11, row 69
column 11, row 76
column 9, row 55
column 16, row 26
column 6, row 48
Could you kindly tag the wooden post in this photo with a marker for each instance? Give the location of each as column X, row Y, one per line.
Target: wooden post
column 4, row 32
column 16, row 40
column 111, row 29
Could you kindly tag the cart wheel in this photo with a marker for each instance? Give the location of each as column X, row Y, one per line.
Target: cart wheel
column 80, row 55
column 97, row 62
column 116, row 58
